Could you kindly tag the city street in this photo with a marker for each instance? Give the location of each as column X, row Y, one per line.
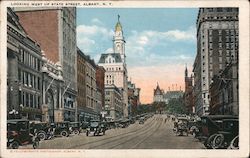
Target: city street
column 155, row 133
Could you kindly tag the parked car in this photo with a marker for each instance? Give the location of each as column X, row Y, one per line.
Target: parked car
column 19, row 134
column 61, row 128
column 84, row 125
column 182, row 126
column 210, row 125
column 75, row 128
column 124, row 123
column 96, row 127
column 141, row 120
column 229, row 130
column 42, row 129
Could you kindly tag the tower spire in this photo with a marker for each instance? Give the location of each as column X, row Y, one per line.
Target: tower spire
column 186, row 71
column 118, row 16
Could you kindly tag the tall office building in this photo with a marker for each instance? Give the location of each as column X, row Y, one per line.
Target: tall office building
column 55, row 30
column 217, row 44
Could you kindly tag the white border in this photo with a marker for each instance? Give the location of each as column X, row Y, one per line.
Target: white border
column 243, row 85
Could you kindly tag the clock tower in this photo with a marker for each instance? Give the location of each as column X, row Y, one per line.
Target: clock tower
column 119, row 42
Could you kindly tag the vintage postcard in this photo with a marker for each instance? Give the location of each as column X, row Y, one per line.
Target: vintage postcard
column 124, row 78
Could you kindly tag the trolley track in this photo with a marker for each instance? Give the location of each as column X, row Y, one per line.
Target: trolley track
column 115, row 136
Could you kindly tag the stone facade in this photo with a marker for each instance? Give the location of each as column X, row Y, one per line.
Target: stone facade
column 224, row 91
column 55, row 30
column 113, row 102
column 158, row 94
column 100, row 77
column 88, row 99
column 217, row 42
column 188, row 95
column 52, row 83
column 115, row 66
column 133, row 98
column 24, row 79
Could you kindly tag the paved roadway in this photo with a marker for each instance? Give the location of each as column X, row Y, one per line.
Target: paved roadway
column 155, row 133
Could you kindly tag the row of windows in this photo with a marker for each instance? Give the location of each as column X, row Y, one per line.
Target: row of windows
column 91, row 102
column 29, row 100
column 110, row 81
column 112, row 69
column 29, row 79
column 29, row 60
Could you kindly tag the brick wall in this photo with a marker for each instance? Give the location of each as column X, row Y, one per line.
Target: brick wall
column 42, row 26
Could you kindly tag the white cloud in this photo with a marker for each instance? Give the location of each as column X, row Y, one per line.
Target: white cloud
column 90, row 38
column 160, row 48
column 109, row 50
column 96, row 21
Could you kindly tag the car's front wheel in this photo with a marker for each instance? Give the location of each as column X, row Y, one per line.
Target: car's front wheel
column 64, row 134
column 87, row 133
column 14, row 145
column 218, row 141
column 76, row 132
column 209, row 141
column 41, row 136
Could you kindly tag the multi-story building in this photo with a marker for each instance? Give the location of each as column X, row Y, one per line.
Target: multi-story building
column 173, row 94
column 217, row 42
column 224, row 91
column 115, row 65
column 158, row 94
column 52, row 83
column 188, row 94
column 133, row 98
column 87, row 99
column 113, row 102
column 100, row 76
column 24, row 79
column 55, row 30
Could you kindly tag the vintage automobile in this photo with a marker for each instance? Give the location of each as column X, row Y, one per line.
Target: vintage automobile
column 111, row 125
column 182, row 126
column 124, row 123
column 19, row 134
column 210, row 125
column 141, row 120
column 234, row 144
column 96, row 127
column 75, row 128
column 60, row 128
column 42, row 129
column 229, row 130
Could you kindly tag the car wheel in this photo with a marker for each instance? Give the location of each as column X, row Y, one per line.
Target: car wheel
column 234, row 143
column 64, row 134
column 87, row 133
column 218, row 141
column 209, row 141
column 41, row 136
column 14, row 145
column 76, row 132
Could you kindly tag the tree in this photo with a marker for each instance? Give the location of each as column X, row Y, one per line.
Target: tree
column 176, row 106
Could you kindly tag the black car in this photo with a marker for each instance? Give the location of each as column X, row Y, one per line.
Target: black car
column 210, row 125
column 42, row 129
column 75, row 127
column 182, row 126
column 229, row 131
column 19, row 134
column 96, row 127
column 61, row 128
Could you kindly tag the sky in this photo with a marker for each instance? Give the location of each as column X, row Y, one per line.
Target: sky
column 160, row 42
